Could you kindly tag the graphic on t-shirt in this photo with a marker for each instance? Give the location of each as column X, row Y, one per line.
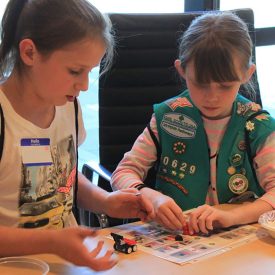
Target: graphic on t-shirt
column 46, row 194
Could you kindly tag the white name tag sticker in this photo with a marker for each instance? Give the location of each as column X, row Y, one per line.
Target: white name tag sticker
column 36, row 151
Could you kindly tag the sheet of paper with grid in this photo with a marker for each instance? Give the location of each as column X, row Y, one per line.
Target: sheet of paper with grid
column 158, row 241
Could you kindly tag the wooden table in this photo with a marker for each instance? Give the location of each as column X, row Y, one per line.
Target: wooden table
column 254, row 258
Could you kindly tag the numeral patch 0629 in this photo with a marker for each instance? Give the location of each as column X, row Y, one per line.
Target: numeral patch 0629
column 176, row 168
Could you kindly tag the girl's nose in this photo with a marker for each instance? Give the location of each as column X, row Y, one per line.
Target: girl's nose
column 211, row 95
column 83, row 84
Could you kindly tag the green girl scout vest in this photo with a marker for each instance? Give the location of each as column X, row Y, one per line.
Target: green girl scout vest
column 184, row 167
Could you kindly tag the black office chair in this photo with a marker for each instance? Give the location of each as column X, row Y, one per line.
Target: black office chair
column 142, row 74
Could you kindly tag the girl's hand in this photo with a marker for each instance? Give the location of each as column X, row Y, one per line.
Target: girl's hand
column 167, row 212
column 68, row 244
column 205, row 218
column 129, row 203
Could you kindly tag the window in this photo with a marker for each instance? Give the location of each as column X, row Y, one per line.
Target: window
column 265, row 55
column 136, row 6
column 264, row 16
column 89, row 150
column 3, row 4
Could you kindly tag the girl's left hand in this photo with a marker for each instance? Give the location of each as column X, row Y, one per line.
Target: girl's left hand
column 205, row 218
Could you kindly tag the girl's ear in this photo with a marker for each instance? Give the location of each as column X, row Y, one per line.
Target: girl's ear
column 249, row 73
column 179, row 68
column 27, row 51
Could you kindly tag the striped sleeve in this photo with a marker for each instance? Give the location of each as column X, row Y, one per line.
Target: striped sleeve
column 264, row 162
column 133, row 168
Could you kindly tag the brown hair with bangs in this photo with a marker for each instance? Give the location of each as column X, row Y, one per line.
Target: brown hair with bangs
column 212, row 42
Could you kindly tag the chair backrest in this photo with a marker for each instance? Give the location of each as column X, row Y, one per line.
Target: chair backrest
column 142, row 74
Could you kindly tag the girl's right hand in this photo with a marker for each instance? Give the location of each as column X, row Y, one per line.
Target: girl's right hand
column 167, row 212
column 68, row 244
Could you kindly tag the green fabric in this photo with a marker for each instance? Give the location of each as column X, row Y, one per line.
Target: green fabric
column 185, row 153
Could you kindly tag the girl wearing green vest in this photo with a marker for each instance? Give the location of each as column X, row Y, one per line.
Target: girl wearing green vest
column 212, row 146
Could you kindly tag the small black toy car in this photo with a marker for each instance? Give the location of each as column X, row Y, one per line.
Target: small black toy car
column 124, row 245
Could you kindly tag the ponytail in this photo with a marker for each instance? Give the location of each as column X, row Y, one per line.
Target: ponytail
column 8, row 48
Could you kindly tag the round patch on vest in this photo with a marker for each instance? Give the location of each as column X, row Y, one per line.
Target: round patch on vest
column 236, row 159
column 242, row 145
column 238, row 184
column 231, row 170
column 179, row 147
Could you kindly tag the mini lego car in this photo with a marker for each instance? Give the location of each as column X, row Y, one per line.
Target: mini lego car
column 178, row 238
column 124, row 245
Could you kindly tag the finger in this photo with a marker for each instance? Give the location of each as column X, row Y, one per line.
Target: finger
column 164, row 223
column 202, row 220
column 140, row 206
column 169, row 219
column 193, row 220
column 176, row 216
column 209, row 221
column 146, row 217
column 142, row 216
column 105, row 262
column 108, row 253
column 98, row 248
column 182, row 218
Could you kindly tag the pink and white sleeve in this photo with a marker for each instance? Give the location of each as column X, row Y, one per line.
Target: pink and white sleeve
column 265, row 169
column 133, row 168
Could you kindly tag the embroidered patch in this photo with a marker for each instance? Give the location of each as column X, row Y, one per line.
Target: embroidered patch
column 179, row 147
column 262, row 117
column 175, row 183
column 236, row 160
column 242, row 145
column 242, row 109
column 250, row 126
column 231, row 170
column 254, row 106
column 178, row 102
column 176, row 167
column 238, row 184
column 174, row 173
column 179, row 125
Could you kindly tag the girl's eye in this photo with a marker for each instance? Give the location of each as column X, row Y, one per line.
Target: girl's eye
column 73, row 72
column 202, row 86
column 226, row 87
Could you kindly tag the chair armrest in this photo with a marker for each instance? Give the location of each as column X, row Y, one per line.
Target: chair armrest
column 88, row 170
column 92, row 166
